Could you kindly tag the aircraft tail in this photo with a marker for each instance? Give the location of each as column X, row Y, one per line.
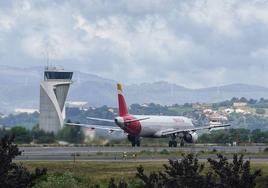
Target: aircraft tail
column 121, row 101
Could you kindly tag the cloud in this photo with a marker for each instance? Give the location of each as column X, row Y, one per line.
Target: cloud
column 217, row 15
column 193, row 43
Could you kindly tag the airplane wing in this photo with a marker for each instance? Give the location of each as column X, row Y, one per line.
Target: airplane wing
column 100, row 119
column 110, row 120
column 100, row 127
column 174, row 131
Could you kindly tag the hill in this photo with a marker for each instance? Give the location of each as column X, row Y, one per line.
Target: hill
column 20, row 89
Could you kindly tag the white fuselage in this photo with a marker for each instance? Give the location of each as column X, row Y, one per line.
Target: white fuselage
column 153, row 126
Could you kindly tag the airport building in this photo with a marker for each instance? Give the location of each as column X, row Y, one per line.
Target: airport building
column 81, row 105
column 53, row 93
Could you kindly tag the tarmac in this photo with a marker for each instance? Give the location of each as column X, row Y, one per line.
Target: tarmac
column 95, row 153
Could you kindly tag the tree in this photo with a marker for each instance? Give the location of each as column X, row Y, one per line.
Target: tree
column 234, row 99
column 22, row 135
column 40, row 136
column 13, row 175
column 260, row 111
column 235, row 174
column 72, row 134
column 252, row 101
column 121, row 184
column 184, row 173
column 243, row 99
column 188, row 172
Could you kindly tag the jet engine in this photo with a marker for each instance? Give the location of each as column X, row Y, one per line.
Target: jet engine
column 190, row 137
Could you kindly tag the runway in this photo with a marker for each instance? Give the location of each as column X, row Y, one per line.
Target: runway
column 116, row 153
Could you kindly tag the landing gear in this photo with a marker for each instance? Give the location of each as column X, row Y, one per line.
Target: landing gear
column 135, row 140
column 172, row 142
column 182, row 143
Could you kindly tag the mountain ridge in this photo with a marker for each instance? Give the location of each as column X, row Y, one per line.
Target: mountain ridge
column 20, row 89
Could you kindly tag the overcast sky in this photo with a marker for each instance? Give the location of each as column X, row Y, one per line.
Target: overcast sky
column 194, row 43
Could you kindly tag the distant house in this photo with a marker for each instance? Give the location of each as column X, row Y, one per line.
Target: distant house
column 228, row 110
column 217, row 120
column 206, row 106
column 145, row 105
column 196, row 106
column 217, row 117
column 239, row 111
column 25, row 110
column 203, row 106
column 2, row 115
column 81, row 105
column 239, row 104
column 207, row 111
column 241, row 107
column 111, row 110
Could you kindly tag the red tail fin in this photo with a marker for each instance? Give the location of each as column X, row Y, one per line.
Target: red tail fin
column 121, row 101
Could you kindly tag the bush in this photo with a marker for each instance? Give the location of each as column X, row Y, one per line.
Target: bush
column 260, row 111
column 40, row 136
column 72, row 134
column 57, row 180
column 164, row 152
column 265, row 149
column 188, row 172
column 13, row 175
column 22, row 135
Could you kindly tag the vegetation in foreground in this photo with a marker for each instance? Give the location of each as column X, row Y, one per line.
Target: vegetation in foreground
column 13, row 174
column 187, row 172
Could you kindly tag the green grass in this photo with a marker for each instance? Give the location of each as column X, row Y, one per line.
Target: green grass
column 95, row 172
column 89, row 173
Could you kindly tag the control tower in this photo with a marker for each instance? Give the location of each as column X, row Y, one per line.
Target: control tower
column 53, row 93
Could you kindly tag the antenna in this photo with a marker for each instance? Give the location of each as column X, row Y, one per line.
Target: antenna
column 78, row 79
column 47, row 57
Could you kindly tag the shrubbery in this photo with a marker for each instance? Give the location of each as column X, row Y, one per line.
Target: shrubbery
column 186, row 173
column 13, row 175
column 234, row 135
column 72, row 134
column 56, row 180
column 189, row 173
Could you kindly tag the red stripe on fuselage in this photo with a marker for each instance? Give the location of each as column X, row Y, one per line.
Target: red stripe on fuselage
column 133, row 128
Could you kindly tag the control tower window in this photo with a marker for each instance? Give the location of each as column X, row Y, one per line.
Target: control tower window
column 58, row 75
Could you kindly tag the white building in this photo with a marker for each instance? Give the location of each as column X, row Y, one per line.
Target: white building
column 239, row 104
column 229, row 110
column 25, row 110
column 208, row 111
column 81, row 105
column 241, row 111
column 53, row 93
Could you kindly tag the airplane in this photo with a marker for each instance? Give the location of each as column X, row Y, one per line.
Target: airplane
column 151, row 126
